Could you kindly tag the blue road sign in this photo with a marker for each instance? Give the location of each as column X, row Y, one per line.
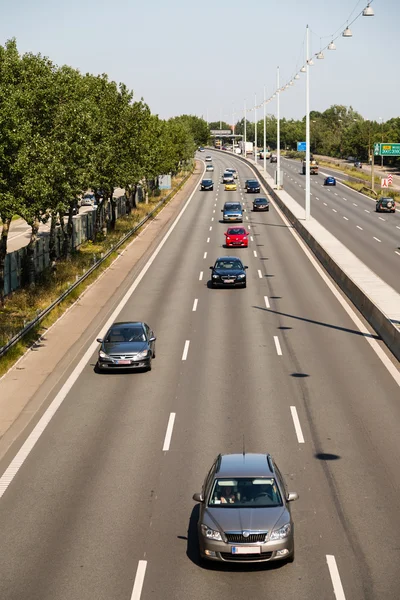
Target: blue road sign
column 301, row 146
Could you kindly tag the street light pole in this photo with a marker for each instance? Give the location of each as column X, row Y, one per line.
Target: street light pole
column 308, row 182
column 265, row 135
column 255, row 128
column 233, row 130
column 245, row 131
column 278, row 133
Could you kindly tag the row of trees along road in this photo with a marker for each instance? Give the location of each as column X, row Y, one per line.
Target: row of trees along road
column 339, row 132
column 62, row 133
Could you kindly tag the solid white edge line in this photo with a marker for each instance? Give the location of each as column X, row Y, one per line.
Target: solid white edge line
column 37, row 431
column 195, row 305
column 168, row 433
column 297, row 426
column 335, row 577
column 277, row 346
column 266, row 301
column 139, row 579
column 185, row 350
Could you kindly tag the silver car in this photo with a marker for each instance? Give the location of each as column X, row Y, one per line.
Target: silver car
column 245, row 511
column 127, row 345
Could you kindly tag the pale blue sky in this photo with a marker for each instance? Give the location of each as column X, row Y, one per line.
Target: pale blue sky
column 192, row 57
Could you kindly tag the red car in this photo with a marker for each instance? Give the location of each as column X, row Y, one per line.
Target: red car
column 236, row 236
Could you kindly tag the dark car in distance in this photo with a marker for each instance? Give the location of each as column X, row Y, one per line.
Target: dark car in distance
column 207, row 184
column 253, row 187
column 127, row 345
column 228, row 271
column 385, row 205
column 260, row 204
column 329, row 180
column 273, row 158
column 246, row 183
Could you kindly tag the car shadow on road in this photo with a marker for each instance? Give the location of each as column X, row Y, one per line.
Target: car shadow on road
column 193, row 553
column 329, row 325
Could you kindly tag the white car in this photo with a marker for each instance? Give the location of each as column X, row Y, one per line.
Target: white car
column 209, row 168
column 208, row 158
column 233, row 171
column 88, row 200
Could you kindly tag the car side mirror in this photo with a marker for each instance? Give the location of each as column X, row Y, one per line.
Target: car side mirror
column 292, row 496
column 100, row 340
column 222, row 210
column 225, row 233
column 152, row 339
column 245, row 267
column 211, row 267
column 198, row 497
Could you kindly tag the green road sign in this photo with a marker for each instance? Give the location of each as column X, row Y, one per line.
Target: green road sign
column 387, row 149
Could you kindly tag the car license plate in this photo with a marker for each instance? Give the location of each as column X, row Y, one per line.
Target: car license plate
column 229, row 280
column 123, row 362
column 246, row 549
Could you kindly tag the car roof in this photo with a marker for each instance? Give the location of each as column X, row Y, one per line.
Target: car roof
column 243, row 465
column 126, row 323
column 228, row 258
column 263, row 199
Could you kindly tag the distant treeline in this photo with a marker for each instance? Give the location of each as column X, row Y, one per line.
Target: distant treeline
column 339, row 132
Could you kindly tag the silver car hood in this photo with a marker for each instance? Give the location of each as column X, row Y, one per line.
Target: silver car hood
column 244, row 519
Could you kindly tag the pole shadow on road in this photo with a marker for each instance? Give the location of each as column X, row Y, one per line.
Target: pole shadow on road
column 344, row 329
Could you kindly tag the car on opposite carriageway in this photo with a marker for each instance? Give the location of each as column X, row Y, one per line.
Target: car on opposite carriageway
column 385, row 205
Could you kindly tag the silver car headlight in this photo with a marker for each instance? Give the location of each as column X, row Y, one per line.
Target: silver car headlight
column 103, row 354
column 141, row 355
column 211, row 533
column 241, row 276
column 281, row 533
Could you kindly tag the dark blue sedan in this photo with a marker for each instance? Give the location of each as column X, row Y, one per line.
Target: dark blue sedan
column 330, row 181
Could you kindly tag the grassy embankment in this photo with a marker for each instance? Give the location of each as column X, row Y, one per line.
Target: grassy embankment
column 24, row 304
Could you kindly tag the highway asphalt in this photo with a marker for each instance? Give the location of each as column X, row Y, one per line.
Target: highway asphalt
column 101, row 508
column 350, row 216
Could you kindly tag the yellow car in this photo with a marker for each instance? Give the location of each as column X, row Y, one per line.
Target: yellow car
column 231, row 187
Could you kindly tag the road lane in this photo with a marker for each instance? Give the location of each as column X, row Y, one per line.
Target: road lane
column 331, row 206
column 98, row 494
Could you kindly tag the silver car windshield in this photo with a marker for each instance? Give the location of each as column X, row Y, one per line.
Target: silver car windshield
column 249, row 492
column 126, row 334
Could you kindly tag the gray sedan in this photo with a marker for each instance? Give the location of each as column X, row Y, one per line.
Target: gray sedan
column 245, row 511
column 127, row 345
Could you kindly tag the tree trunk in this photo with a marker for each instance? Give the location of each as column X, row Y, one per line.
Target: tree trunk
column 3, row 253
column 98, row 220
column 52, row 239
column 113, row 204
column 30, row 254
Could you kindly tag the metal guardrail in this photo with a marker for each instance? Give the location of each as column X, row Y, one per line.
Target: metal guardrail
column 40, row 316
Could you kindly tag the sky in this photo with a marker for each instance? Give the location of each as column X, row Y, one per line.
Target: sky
column 209, row 58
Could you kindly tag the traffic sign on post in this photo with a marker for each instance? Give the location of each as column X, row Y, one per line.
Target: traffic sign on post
column 384, row 183
column 301, row 146
column 387, row 149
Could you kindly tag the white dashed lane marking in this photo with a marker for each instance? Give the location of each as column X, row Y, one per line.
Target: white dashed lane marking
column 168, row 434
column 139, row 579
column 195, row 305
column 201, row 275
column 377, row 239
column 345, row 218
column 259, row 274
column 381, row 218
column 208, row 240
column 297, row 426
column 255, row 254
column 334, row 210
column 335, row 577
column 358, row 227
column 277, row 346
column 186, row 350
column 266, row 301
